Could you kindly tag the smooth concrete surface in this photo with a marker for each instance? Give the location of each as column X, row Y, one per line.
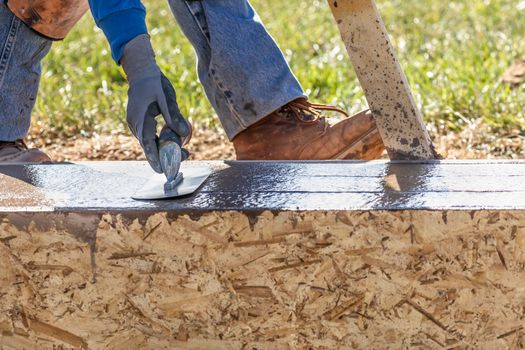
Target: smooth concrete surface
column 107, row 187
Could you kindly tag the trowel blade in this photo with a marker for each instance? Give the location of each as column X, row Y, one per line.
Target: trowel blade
column 193, row 178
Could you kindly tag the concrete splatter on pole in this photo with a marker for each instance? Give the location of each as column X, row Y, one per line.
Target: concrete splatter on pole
column 382, row 79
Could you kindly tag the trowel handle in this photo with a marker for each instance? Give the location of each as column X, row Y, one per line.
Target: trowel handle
column 170, row 153
column 168, row 135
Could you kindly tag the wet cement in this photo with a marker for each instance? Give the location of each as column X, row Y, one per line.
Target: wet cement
column 107, row 187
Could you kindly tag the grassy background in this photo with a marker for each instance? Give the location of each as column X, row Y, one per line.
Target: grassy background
column 453, row 53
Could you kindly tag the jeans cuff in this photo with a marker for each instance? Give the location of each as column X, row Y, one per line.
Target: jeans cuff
column 235, row 129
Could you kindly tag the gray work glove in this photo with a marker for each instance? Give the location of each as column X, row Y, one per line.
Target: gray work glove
column 151, row 94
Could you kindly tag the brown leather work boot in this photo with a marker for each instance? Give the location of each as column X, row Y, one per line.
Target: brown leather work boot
column 17, row 152
column 298, row 131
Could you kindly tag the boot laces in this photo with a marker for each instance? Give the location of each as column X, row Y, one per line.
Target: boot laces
column 308, row 112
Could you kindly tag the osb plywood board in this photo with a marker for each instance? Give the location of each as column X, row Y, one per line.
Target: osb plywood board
column 227, row 280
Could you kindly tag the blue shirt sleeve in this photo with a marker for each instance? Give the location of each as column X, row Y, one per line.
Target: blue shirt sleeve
column 121, row 21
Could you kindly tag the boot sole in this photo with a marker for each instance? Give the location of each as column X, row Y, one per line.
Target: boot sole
column 26, row 157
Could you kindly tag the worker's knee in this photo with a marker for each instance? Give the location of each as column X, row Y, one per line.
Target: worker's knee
column 51, row 18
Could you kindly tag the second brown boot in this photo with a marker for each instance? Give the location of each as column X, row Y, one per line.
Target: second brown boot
column 16, row 152
column 299, row 131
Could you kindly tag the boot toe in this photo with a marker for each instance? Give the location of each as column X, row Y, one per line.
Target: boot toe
column 361, row 137
column 25, row 156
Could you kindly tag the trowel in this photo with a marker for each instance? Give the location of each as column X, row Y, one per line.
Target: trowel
column 172, row 183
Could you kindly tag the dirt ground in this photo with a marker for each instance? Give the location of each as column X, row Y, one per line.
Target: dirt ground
column 477, row 141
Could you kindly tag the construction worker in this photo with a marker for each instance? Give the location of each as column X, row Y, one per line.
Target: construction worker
column 260, row 103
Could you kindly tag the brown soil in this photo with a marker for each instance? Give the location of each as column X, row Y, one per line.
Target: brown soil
column 515, row 75
column 477, row 141
column 207, row 143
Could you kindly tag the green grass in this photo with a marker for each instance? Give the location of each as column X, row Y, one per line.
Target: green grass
column 453, row 53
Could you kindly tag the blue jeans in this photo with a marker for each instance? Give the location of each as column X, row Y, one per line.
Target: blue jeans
column 241, row 68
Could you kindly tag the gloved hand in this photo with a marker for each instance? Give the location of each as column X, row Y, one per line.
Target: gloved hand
column 150, row 94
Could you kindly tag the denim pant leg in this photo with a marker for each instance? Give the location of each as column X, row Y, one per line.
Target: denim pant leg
column 21, row 51
column 240, row 66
